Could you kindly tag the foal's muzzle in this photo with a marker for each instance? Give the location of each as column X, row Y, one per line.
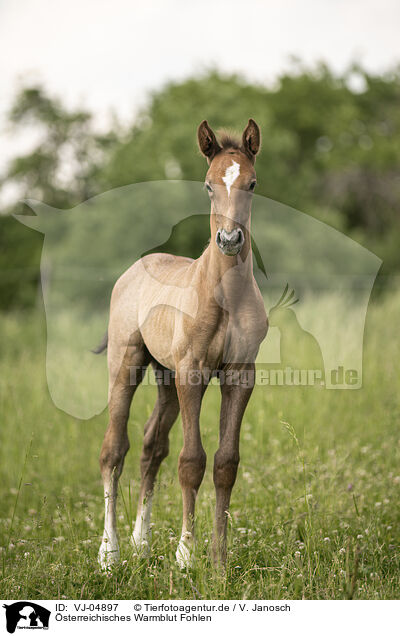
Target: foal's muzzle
column 230, row 243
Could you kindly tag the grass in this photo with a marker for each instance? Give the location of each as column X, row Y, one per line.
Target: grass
column 314, row 512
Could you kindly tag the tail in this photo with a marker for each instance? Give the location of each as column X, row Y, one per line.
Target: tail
column 103, row 345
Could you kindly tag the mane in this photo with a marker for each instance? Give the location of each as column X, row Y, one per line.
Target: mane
column 228, row 139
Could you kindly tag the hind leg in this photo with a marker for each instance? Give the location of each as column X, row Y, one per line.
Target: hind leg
column 127, row 365
column 192, row 458
column 155, row 449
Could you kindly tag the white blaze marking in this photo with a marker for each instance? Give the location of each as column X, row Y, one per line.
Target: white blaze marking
column 231, row 174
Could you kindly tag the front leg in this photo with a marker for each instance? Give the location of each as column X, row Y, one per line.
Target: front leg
column 237, row 384
column 192, row 459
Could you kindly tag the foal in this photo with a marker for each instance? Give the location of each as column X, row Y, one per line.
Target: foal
column 194, row 317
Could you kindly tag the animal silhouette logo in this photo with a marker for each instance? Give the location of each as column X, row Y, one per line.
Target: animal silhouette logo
column 26, row 615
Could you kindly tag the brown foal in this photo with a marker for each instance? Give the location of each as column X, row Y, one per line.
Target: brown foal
column 193, row 317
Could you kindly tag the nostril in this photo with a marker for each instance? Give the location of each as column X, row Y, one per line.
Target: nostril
column 238, row 237
column 218, row 237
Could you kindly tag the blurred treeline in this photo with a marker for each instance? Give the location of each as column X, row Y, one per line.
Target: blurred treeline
column 330, row 148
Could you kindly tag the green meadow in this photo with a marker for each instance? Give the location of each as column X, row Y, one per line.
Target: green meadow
column 314, row 512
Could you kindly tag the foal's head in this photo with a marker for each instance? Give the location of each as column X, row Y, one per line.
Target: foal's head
column 230, row 182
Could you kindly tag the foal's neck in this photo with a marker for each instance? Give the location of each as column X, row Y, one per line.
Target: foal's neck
column 230, row 273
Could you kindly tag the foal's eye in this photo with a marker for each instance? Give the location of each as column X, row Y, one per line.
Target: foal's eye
column 208, row 187
column 252, row 185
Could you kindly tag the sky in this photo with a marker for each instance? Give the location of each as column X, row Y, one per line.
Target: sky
column 110, row 55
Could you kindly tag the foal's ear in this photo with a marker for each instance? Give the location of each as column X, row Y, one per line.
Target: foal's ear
column 208, row 143
column 251, row 140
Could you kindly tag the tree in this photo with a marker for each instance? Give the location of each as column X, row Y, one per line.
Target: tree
column 62, row 169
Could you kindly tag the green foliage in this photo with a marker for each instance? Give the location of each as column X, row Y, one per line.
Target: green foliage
column 62, row 169
column 328, row 150
column 163, row 145
column 323, row 144
column 20, row 252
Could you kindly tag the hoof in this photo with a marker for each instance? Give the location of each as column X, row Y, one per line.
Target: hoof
column 108, row 555
column 185, row 553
